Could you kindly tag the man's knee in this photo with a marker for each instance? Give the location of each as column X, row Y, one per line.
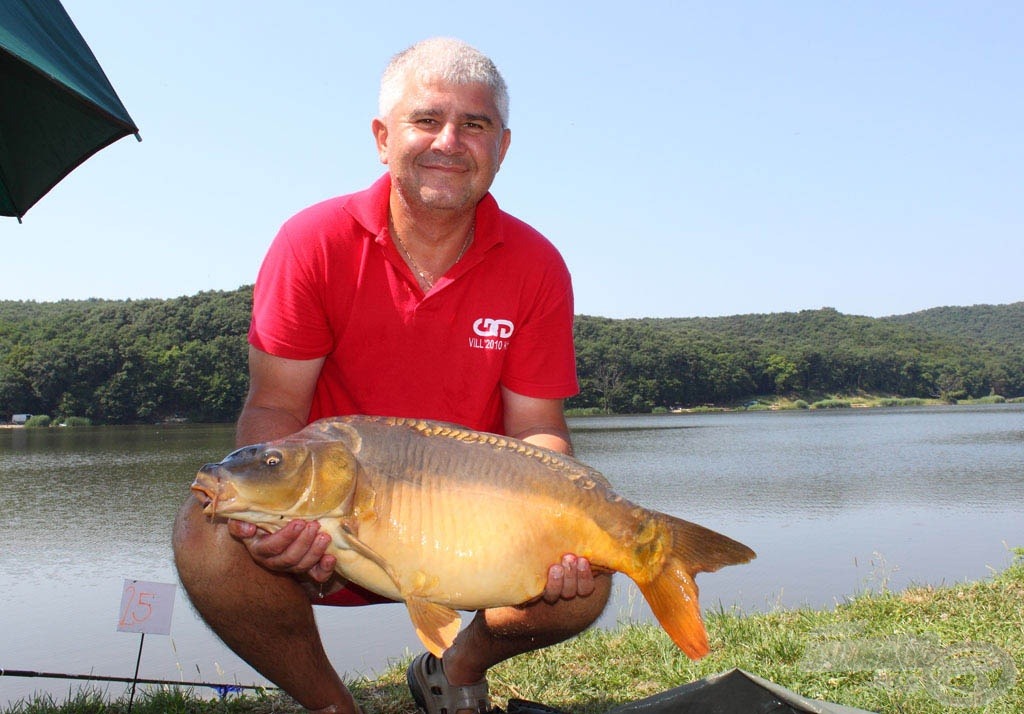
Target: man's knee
column 198, row 543
column 190, row 529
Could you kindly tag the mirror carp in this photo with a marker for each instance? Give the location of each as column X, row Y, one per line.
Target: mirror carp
column 445, row 518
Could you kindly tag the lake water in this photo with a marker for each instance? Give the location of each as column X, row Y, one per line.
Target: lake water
column 834, row 502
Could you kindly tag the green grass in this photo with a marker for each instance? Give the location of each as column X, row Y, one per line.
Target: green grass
column 990, row 399
column 891, row 652
column 898, row 402
column 831, row 404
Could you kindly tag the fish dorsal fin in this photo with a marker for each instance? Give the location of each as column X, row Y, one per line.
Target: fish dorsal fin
column 562, row 463
column 436, row 625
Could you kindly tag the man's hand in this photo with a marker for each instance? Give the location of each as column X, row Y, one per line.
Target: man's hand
column 568, row 579
column 298, row 548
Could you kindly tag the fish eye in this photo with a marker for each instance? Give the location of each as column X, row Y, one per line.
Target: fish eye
column 272, row 458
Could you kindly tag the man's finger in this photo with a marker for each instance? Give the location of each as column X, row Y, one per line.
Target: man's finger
column 569, row 582
column 584, row 578
column 302, row 549
column 274, row 545
column 571, row 578
column 553, row 589
column 241, row 529
column 324, row 569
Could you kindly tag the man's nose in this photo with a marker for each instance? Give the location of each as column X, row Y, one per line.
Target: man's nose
column 449, row 139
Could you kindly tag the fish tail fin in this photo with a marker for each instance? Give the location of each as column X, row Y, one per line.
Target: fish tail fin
column 672, row 592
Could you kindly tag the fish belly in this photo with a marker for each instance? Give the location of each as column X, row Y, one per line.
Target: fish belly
column 469, row 549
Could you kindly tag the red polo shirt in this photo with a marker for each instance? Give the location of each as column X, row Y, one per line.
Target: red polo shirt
column 333, row 285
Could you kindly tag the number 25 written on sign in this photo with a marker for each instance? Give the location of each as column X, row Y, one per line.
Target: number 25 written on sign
column 146, row 607
column 138, row 606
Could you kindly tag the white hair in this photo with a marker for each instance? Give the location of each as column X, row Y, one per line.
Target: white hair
column 442, row 58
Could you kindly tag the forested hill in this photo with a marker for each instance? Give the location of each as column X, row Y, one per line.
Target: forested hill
column 628, row 365
column 126, row 361
column 147, row 360
column 991, row 324
column 987, row 324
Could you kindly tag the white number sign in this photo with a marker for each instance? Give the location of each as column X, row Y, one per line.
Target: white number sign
column 146, row 607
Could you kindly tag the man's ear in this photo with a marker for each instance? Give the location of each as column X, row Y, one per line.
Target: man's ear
column 380, row 135
column 506, row 139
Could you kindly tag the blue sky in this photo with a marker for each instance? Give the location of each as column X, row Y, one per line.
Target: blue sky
column 689, row 159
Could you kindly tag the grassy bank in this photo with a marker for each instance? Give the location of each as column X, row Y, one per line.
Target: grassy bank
column 920, row 651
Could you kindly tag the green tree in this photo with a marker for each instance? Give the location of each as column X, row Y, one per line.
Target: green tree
column 782, row 372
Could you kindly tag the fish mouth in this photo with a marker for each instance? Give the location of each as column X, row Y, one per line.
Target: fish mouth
column 213, row 493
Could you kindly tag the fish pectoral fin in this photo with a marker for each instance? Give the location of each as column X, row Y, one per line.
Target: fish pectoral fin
column 353, row 542
column 436, row 625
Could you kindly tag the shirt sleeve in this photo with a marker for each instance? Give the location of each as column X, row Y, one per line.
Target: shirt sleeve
column 288, row 319
column 542, row 355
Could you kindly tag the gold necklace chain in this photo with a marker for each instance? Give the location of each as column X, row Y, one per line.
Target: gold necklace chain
column 424, row 275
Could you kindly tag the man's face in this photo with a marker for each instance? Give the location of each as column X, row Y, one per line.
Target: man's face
column 443, row 144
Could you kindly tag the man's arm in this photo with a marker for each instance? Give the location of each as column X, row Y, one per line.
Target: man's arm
column 537, row 421
column 280, row 394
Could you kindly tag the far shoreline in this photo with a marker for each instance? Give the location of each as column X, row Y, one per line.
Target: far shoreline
column 772, row 403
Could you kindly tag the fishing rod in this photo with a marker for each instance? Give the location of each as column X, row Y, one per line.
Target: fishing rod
column 222, row 689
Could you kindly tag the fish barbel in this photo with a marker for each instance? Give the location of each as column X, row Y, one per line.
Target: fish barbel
column 445, row 519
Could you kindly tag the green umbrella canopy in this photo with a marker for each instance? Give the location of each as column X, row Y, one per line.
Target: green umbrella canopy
column 57, row 107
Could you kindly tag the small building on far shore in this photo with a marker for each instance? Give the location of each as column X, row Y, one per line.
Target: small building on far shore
column 20, row 418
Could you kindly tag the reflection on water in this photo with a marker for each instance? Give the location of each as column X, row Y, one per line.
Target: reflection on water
column 834, row 502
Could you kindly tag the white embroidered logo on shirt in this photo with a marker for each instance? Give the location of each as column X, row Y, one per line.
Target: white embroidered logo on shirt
column 489, row 327
column 492, row 334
